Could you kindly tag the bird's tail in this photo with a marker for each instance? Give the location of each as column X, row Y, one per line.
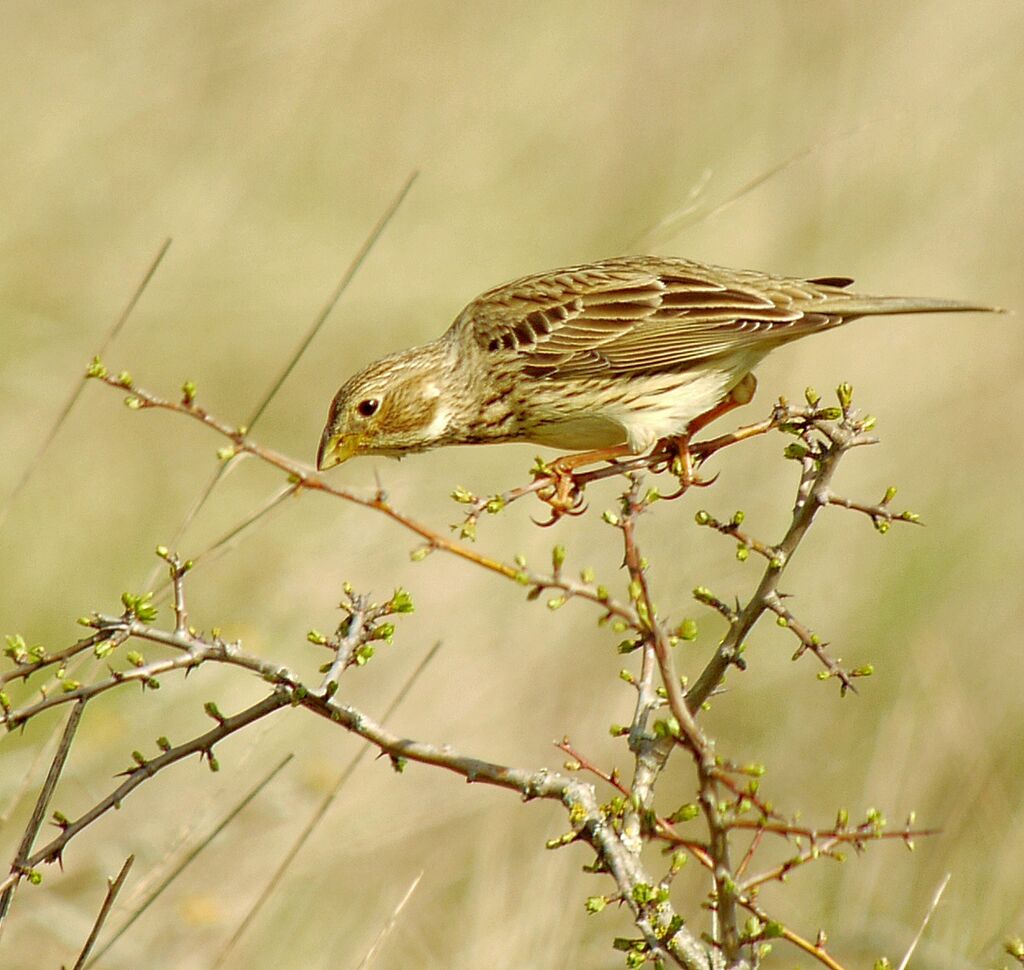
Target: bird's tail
column 862, row 306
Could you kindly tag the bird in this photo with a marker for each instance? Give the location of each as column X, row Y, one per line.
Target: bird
column 605, row 359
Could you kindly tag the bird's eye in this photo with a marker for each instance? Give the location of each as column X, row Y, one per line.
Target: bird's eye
column 369, row 407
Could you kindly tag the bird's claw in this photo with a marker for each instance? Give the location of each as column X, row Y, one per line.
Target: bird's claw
column 563, row 496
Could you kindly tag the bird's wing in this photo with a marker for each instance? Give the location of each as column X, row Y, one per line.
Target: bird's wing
column 639, row 314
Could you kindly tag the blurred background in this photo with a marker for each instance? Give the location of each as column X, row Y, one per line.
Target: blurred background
column 877, row 140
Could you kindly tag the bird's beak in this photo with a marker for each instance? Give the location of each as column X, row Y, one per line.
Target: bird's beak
column 334, row 449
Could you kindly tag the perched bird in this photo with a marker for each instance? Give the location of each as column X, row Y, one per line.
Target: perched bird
column 610, row 357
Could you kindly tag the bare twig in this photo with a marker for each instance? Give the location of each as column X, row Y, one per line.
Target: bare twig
column 389, row 925
column 113, row 888
column 824, row 439
column 346, row 278
column 192, row 854
column 318, row 816
column 53, row 850
column 23, row 859
column 932, row 906
column 72, row 400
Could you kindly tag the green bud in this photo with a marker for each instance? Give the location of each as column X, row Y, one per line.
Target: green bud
column 102, row 648
column 401, row 602
column 742, row 553
column 702, row 517
column 364, row 654
column 687, row 629
column 558, row 557
column 642, row 893
column 845, row 394
column 610, row 517
column 666, row 728
column 96, row 368
column 595, row 904
column 188, row 392
column 211, row 710
column 685, row 813
column 812, row 397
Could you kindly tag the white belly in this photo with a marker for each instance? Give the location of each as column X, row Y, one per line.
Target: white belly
column 643, row 409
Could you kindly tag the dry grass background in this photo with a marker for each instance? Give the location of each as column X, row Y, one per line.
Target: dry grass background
column 266, row 138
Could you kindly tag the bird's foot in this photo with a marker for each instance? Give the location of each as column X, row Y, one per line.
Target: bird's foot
column 560, row 488
column 563, row 494
column 682, row 463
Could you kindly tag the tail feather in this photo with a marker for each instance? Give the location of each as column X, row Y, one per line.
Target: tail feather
column 862, row 306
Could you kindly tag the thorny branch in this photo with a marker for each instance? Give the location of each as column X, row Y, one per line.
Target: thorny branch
column 665, row 715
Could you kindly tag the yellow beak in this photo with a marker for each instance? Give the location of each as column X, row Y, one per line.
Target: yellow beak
column 334, row 449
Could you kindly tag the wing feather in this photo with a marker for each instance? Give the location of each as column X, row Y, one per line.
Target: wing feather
column 639, row 314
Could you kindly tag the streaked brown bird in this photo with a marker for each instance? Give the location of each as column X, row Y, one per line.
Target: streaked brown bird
column 610, row 358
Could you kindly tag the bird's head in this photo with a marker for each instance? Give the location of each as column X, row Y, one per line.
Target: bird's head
column 393, row 407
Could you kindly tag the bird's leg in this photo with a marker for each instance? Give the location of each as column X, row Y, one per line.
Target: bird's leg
column 682, row 460
column 565, row 495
